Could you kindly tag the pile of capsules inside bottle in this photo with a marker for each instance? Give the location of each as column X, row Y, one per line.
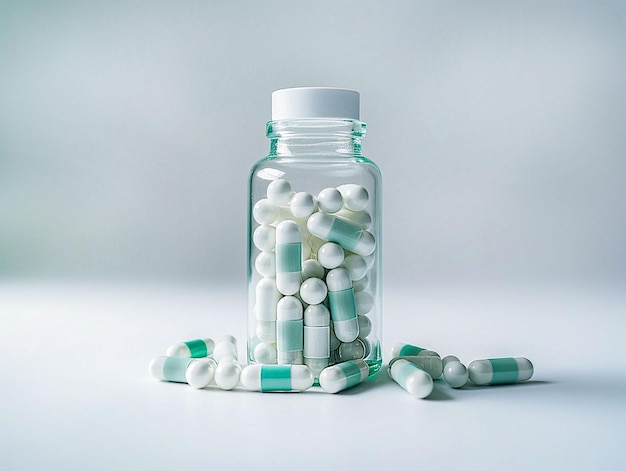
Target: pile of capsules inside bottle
column 311, row 303
column 202, row 362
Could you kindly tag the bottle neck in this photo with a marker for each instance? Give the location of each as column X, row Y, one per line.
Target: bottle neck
column 319, row 137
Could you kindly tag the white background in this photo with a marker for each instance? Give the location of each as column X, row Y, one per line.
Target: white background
column 127, row 130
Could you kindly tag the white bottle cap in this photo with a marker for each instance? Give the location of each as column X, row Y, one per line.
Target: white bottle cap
column 315, row 102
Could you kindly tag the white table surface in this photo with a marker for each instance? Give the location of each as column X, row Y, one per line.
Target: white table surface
column 76, row 392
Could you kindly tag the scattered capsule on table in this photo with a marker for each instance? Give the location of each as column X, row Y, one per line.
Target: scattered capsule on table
column 342, row 305
column 313, row 291
column 197, row 372
column 302, row 205
column 289, row 331
column 454, row 372
column 198, row 348
column 411, row 378
column 226, row 347
column 330, row 255
column 343, row 375
column 426, row 359
column 277, row 378
column 333, row 229
column 288, row 257
column 316, row 338
column 330, row 200
column 355, row 197
column 279, row 192
column 227, row 373
column 500, row 371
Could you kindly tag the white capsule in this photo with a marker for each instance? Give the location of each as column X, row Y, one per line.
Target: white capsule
column 361, row 285
column 289, row 331
column 266, row 300
column 264, row 237
column 265, row 353
column 276, row 378
column 302, row 205
column 342, row 305
column 264, row 212
column 200, row 373
column 288, row 257
column 454, row 372
column 279, row 192
column 198, row 348
column 350, row 236
column 364, row 302
column 500, row 371
column 356, row 266
column 266, row 331
column 312, row 269
column 363, row 219
column 330, row 200
column 343, row 375
column 411, row 378
column 313, row 291
column 227, row 373
column 365, row 326
column 355, row 197
column 226, row 347
column 265, row 264
column 316, row 338
column 330, row 255
column 355, row 350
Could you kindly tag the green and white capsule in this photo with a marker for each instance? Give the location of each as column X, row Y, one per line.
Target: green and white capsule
column 333, row 229
column 288, row 257
column 197, row 372
column 343, row 375
column 198, row 348
column 427, row 360
column 500, row 371
column 277, row 378
column 290, row 331
column 316, row 338
column 410, row 377
column 342, row 304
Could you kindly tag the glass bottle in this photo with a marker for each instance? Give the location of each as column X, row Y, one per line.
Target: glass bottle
column 314, row 236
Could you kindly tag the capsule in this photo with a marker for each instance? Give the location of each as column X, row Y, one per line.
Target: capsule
column 288, row 257
column 333, row 229
column 316, row 338
column 363, row 219
column 289, row 331
column 454, row 372
column 343, row 375
column 227, row 373
column 275, row 378
column 197, row 372
column 427, row 360
column 500, row 371
column 313, row 291
column 330, row 200
column 358, row 349
column 198, row 348
column 312, row 269
column 355, row 197
column 266, row 299
column 342, row 305
column 410, row 377
column 279, row 192
column 226, row 347
column 265, row 353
